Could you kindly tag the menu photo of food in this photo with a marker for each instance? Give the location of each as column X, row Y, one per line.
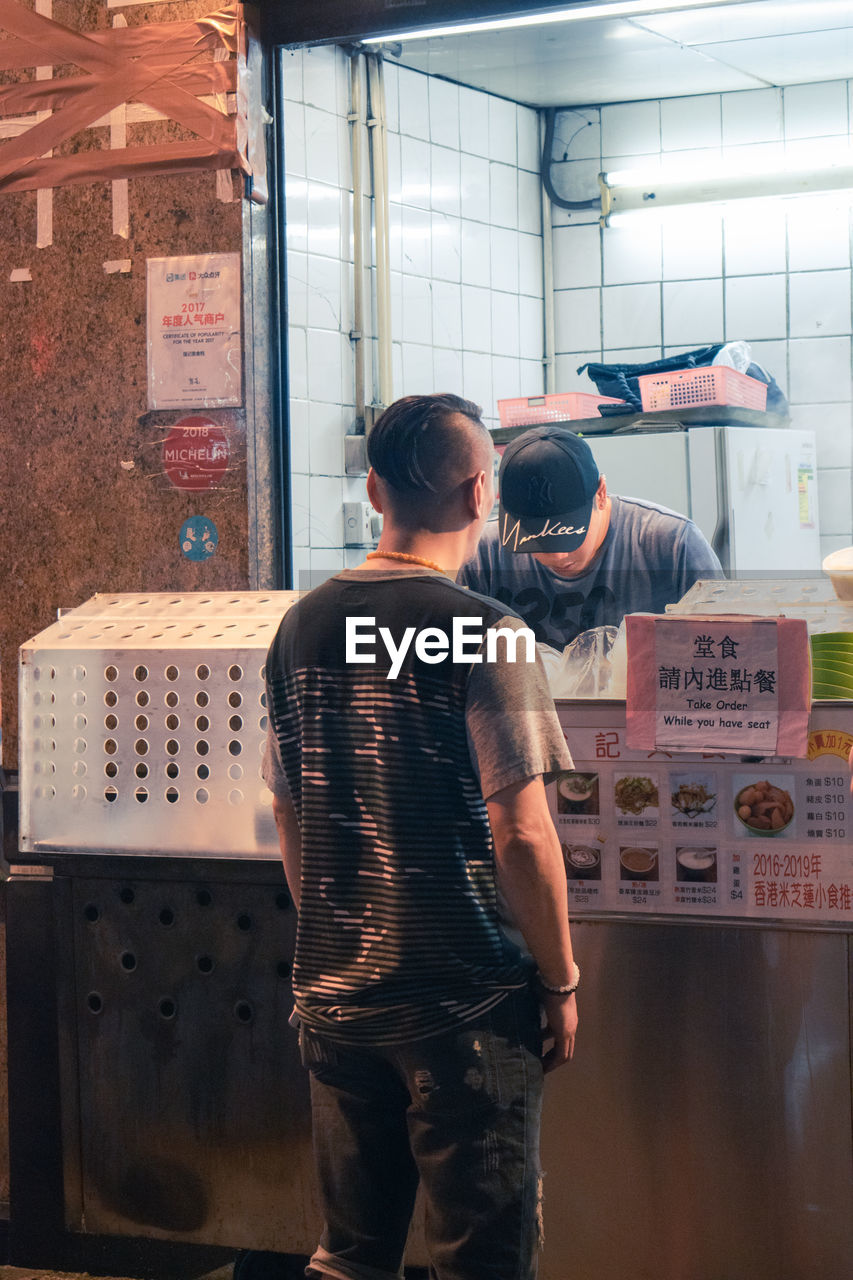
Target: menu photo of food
column 693, row 797
column 636, row 799
column 763, row 808
column 577, row 794
column 583, row 861
column 695, row 863
column 638, row 862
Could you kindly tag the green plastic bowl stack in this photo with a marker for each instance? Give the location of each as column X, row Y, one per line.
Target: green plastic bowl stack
column 832, row 665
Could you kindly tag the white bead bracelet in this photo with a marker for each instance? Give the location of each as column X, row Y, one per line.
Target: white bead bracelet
column 562, row 991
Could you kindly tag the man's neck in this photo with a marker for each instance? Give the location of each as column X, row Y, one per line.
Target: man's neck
column 445, row 551
column 605, row 523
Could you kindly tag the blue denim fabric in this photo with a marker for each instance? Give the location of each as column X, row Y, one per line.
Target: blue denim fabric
column 459, row 1112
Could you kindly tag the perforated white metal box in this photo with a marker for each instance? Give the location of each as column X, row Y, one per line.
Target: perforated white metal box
column 143, row 723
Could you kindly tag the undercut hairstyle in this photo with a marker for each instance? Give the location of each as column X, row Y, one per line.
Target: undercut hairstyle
column 422, row 451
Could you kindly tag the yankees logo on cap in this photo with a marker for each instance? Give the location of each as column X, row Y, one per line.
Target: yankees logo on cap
column 539, row 491
column 547, row 485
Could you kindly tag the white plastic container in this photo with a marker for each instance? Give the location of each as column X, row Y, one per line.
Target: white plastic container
column 839, row 566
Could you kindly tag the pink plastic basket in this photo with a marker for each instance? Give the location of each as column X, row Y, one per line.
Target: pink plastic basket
column 689, row 388
column 527, row 412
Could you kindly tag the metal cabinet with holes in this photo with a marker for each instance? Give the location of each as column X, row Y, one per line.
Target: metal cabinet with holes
column 143, row 723
column 191, row 1104
column 151, row 934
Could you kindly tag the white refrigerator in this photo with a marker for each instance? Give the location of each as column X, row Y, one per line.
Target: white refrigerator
column 751, row 490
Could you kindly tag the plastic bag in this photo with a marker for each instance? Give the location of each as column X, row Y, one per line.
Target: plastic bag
column 737, row 355
column 593, row 665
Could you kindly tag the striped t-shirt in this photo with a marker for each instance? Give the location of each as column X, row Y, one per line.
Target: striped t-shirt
column 400, row 932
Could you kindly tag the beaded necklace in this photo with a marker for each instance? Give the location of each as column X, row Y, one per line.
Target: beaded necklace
column 405, row 557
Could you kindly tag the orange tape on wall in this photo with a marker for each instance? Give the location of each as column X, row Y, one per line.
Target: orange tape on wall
column 124, row 64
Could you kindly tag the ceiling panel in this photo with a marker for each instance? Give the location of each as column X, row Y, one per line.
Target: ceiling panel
column 748, row 21
column 691, row 51
column 820, row 55
column 593, row 62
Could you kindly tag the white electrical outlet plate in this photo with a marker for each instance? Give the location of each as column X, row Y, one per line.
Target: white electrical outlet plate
column 357, row 529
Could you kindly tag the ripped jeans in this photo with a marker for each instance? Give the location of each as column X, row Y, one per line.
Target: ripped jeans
column 458, row 1112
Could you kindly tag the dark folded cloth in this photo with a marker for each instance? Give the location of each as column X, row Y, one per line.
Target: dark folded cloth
column 777, row 401
column 616, row 410
column 620, row 380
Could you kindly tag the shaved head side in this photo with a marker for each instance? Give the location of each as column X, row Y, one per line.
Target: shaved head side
column 422, row 449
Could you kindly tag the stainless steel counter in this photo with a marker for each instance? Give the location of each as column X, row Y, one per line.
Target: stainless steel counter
column 703, row 1131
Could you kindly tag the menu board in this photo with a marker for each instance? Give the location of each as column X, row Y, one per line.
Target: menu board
column 706, row 834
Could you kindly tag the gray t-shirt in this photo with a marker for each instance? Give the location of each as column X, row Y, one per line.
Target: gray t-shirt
column 650, row 557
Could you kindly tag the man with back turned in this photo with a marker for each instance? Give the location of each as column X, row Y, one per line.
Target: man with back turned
column 417, row 842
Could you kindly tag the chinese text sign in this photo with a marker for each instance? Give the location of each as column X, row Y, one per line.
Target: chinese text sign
column 194, row 332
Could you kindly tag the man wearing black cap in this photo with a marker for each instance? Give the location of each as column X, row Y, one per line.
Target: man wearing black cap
column 568, row 556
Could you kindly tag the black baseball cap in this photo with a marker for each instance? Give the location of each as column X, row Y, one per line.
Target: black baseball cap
column 547, row 486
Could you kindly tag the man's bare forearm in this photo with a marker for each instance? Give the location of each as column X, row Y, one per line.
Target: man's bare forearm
column 532, row 878
column 290, row 843
column 533, row 883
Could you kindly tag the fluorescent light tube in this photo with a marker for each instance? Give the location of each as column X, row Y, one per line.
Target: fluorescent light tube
column 587, row 12
column 820, row 156
column 660, row 193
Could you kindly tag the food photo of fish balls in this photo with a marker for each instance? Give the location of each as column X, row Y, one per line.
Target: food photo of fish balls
column 764, row 808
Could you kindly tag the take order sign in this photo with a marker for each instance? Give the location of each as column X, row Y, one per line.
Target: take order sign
column 728, row 683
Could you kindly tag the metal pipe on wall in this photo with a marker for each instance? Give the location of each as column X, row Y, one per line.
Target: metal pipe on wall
column 381, row 224
column 549, row 320
column 356, row 119
column 279, row 373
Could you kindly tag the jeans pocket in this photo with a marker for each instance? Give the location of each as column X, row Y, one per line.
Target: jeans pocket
column 473, row 1071
column 315, row 1051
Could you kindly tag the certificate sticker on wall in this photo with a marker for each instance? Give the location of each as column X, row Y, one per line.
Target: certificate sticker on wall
column 194, row 332
column 199, row 538
column 195, row 454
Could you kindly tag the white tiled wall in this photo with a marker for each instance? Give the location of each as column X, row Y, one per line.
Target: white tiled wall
column 319, row 292
column 776, row 275
column 466, row 258
column 466, row 243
